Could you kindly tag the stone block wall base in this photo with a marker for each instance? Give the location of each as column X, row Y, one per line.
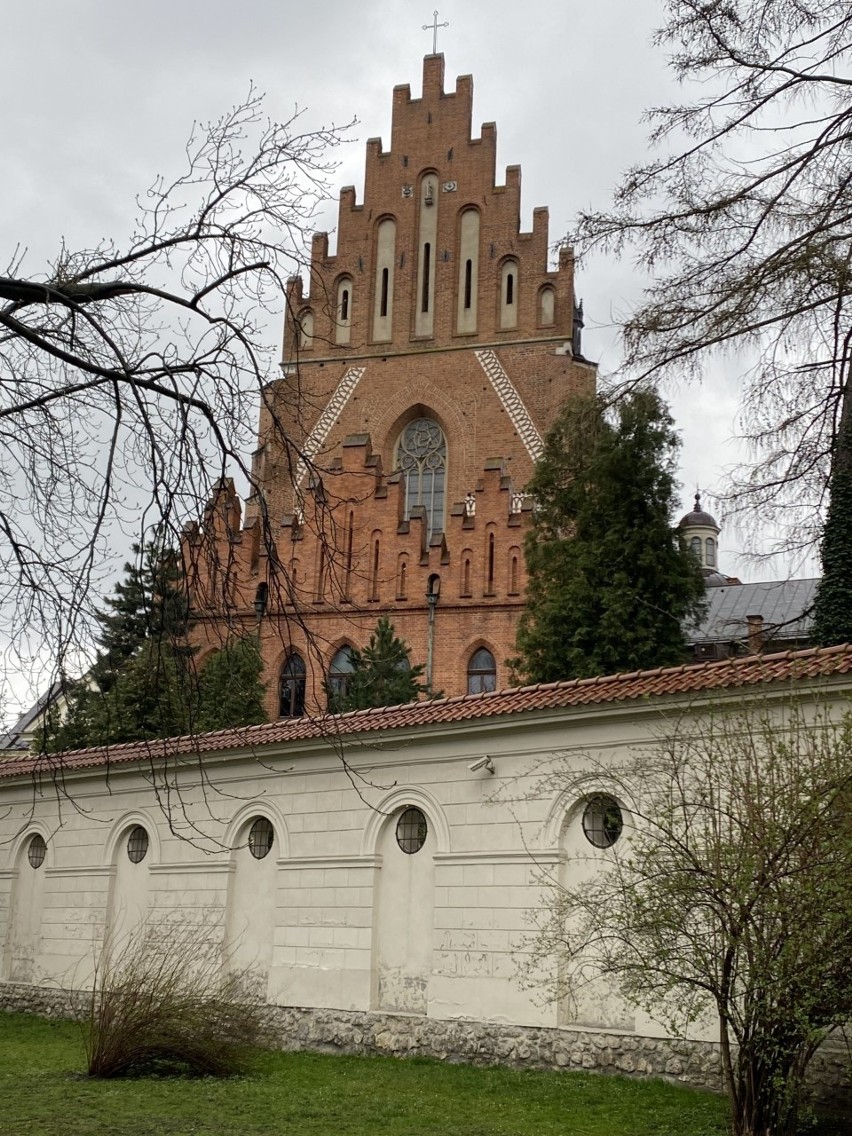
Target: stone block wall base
column 491, row 1043
column 691, row 1063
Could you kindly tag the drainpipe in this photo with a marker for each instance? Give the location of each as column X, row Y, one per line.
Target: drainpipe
column 433, row 590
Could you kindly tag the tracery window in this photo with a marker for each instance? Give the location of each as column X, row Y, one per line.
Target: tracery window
column 422, row 455
column 481, row 672
column 339, row 673
column 292, row 691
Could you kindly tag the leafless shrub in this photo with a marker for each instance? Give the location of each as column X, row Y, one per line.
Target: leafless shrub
column 163, row 1002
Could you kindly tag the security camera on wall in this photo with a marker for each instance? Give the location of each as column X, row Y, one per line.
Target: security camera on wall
column 482, row 763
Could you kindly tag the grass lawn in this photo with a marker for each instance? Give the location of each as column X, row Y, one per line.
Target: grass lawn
column 44, row 1091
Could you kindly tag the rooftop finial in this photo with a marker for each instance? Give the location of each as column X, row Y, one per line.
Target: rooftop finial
column 433, row 28
column 697, row 508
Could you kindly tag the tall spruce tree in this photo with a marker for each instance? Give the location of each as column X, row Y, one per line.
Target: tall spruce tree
column 611, row 581
column 142, row 682
column 382, row 674
column 833, row 605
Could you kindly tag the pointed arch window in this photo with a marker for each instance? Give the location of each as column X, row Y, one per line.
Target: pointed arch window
column 481, row 672
column 339, row 673
column 292, row 689
column 421, row 454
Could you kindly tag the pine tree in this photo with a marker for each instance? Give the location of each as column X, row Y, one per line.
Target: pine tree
column 230, row 691
column 610, row 580
column 382, row 674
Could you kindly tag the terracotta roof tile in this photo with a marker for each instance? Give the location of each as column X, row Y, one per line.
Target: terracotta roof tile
column 728, row 673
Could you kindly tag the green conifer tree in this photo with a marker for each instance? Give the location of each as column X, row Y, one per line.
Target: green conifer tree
column 382, row 674
column 142, row 683
column 611, row 581
column 833, row 604
column 230, row 691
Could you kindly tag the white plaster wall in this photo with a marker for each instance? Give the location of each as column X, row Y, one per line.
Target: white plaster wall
column 404, row 920
column 26, row 908
column 336, row 911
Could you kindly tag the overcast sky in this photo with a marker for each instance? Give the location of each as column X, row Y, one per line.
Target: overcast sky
column 99, row 97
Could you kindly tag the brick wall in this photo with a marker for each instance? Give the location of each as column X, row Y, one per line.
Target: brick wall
column 493, row 376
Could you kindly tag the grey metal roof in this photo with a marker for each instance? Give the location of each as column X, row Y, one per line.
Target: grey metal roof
column 19, row 736
column 785, row 606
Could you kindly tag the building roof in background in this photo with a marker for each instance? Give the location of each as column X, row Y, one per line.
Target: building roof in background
column 753, row 670
column 785, row 608
column 19, row 736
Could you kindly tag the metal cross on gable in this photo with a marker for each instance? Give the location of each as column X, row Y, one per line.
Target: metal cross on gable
column 433, row 28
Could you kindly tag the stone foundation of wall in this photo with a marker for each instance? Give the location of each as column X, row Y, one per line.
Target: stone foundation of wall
column 482, row 1043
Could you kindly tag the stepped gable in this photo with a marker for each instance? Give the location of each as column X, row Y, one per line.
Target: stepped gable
column 425, row 357
column 431, row 145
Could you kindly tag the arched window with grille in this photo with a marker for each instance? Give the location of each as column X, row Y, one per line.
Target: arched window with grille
column 292, row 688
column 421, row 454
column 481, row 672
column 339, row 673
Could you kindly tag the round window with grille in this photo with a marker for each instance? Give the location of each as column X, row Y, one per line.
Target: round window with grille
column 411, row 830
column 137, row 844
column 602, row 821
column 261, row 836
column 36, row 851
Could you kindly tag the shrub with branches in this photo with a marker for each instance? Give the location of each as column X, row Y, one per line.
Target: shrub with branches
column 162, row 1002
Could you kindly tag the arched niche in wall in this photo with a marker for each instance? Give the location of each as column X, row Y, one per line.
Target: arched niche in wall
column 31, row 855
column 305, row 329
column 513, row 571
column 131, row 849
column 468, row 280
column 427, row 254
column 258, row 839
column 375, row 576
column 410, row 829
column 466, row 572
column 546, row 306
column 343, row 310
column 589, row 820
column 385, row 261
column 402, row 576
column 508, row 301
column 489, row 582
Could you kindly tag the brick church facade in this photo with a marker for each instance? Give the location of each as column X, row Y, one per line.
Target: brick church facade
column 420, row 371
